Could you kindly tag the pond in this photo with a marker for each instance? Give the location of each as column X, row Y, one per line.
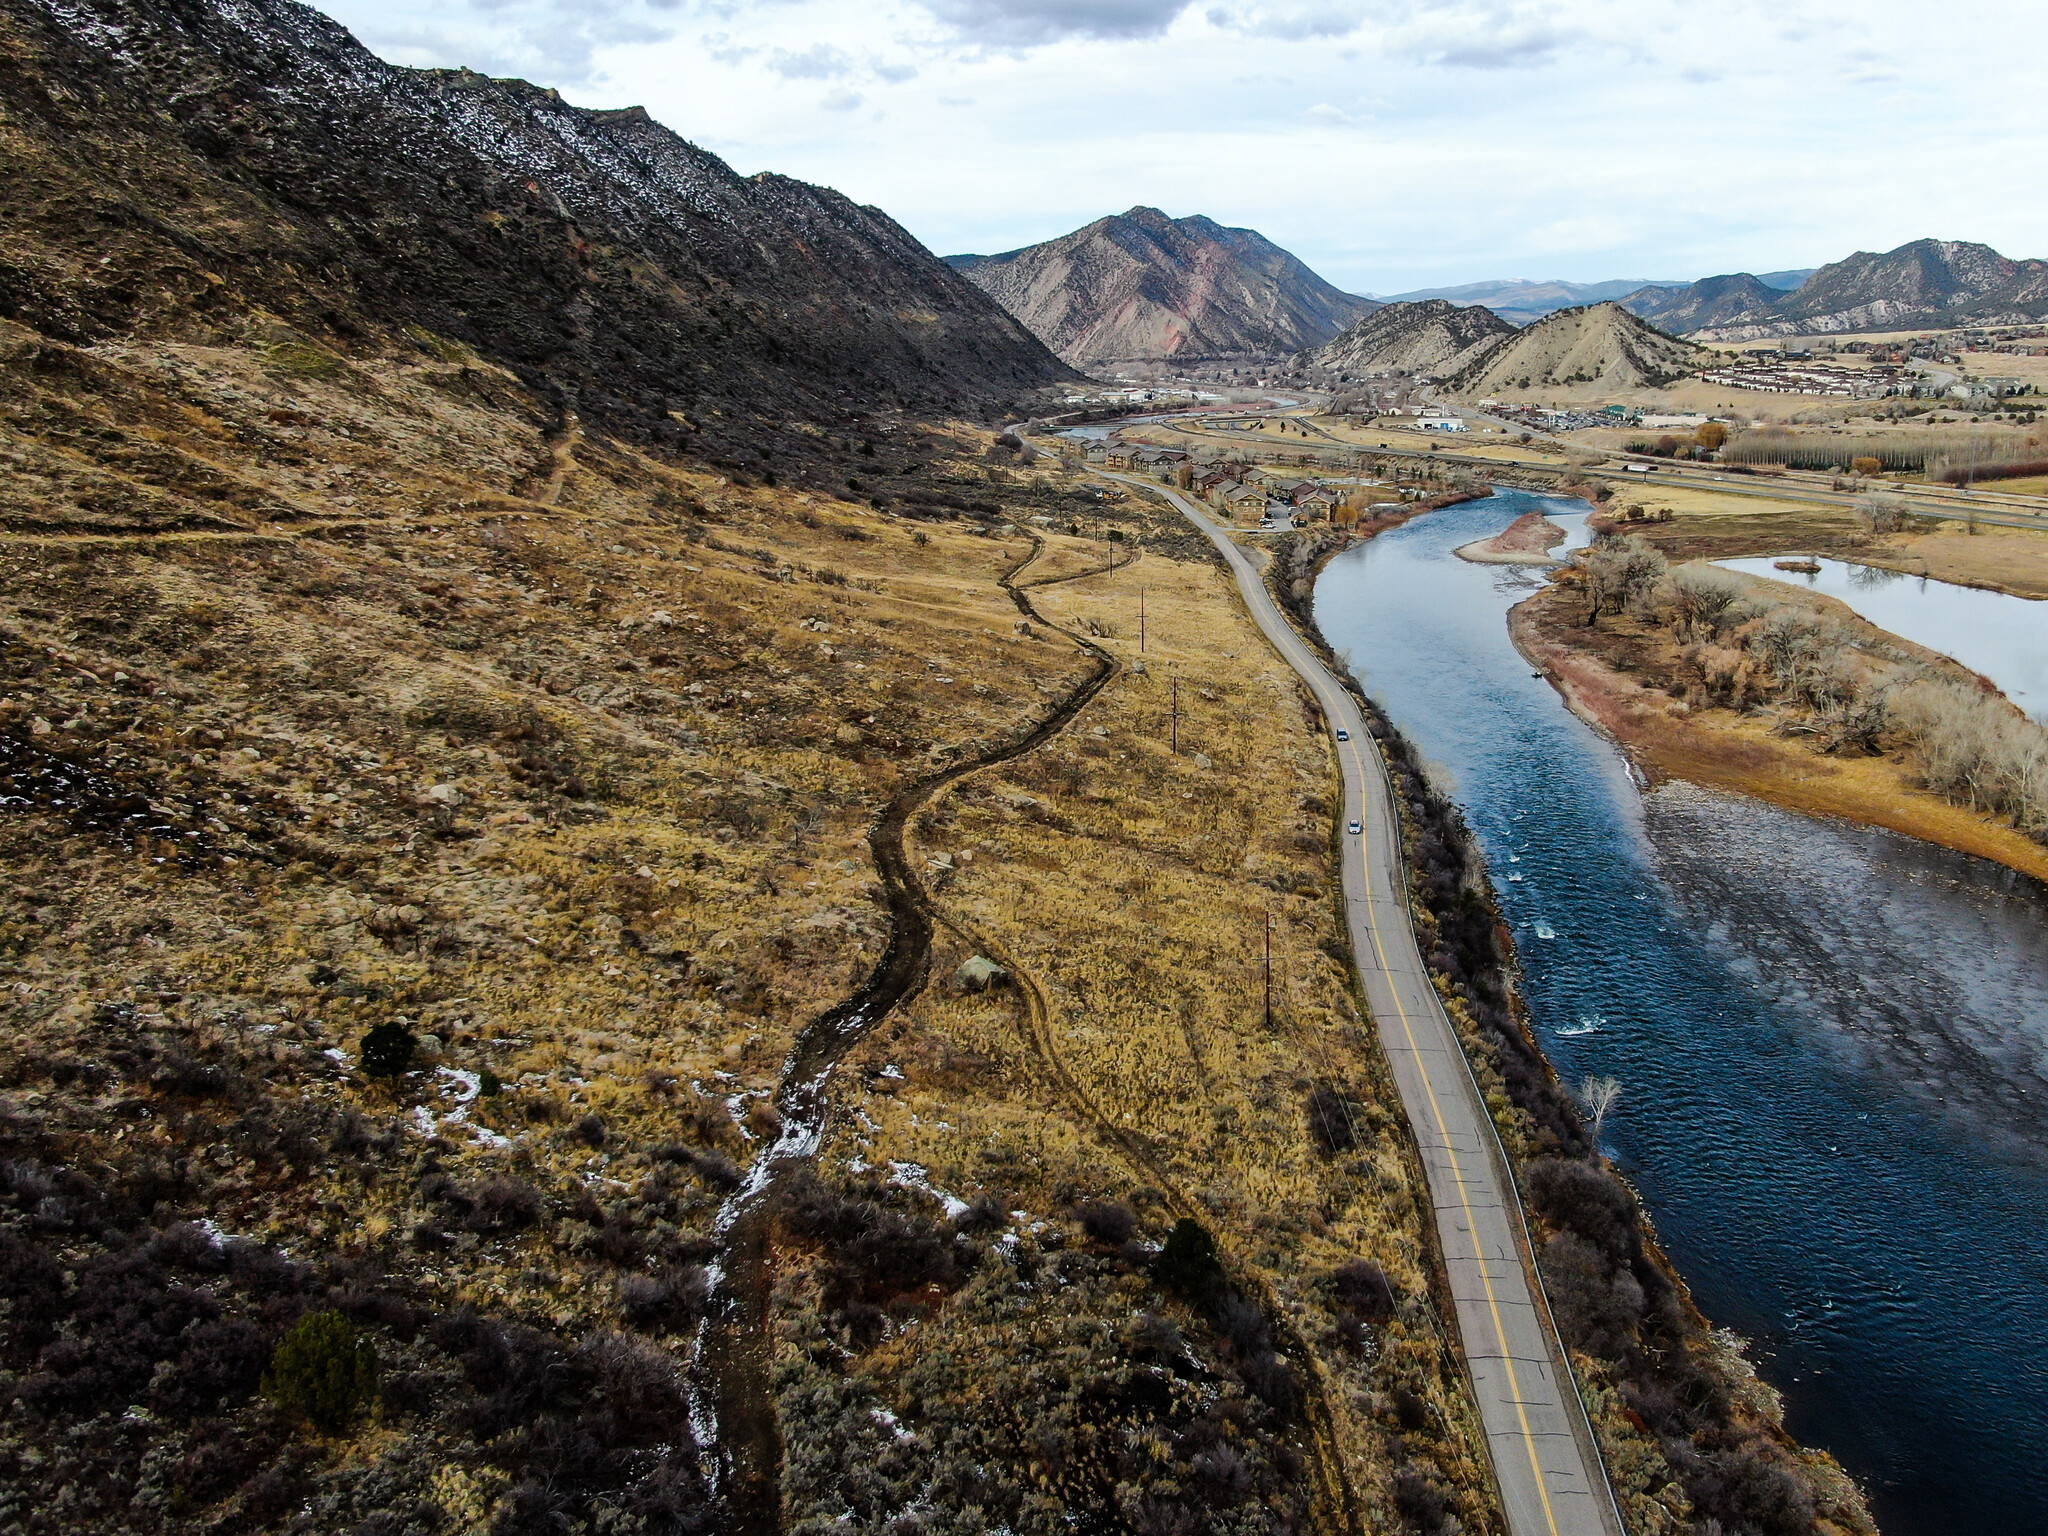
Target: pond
column 2001, row 636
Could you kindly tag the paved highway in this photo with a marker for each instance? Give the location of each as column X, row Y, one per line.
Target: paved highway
column 1985, row 504
column 1545, row 1463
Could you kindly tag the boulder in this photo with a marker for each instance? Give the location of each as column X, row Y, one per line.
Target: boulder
column 978, row 974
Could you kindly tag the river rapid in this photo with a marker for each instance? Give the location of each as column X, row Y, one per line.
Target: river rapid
column 1833, row 1040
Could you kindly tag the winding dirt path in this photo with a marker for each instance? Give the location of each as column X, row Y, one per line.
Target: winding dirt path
column 1336, row 1501
column 733, row 1400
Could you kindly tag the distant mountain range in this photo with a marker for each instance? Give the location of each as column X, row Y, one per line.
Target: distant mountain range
column 1519, row 301
column 1927, row 283
column 1475, row 352
column 1140, row 285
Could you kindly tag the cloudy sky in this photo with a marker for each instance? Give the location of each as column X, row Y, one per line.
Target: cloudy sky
column 1392, row 144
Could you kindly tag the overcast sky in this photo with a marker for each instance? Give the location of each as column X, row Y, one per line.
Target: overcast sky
column 1392, row 144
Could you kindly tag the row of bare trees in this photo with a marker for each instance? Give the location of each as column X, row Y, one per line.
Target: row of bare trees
column 1741, row 648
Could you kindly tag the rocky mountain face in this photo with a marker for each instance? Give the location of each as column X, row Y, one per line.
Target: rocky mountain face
column 1141, row 285
column 1602, row 344
column 1521, row 302
column 1432, row 337
column 1710, row 301
column 1924, row 277
column 206, row 166
column 1930, row 283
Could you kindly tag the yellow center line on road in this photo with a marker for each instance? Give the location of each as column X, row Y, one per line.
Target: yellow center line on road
column 1310, row 669
column 1457, row 1172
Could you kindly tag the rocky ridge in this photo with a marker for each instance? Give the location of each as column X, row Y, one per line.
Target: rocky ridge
column 205, row 168
column 1925, row 283
column 1710, row 301
column 1434, row 336
column 1140, row 285
column 1602, row 344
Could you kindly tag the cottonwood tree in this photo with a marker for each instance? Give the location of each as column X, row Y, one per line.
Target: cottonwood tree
column 1620, row 573
column 1883, row 513
column 1599, row 1095
column 1702, row 599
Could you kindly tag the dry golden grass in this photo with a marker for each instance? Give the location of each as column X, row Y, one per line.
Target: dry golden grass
column 567, row 759
column 1131, row 886
column 579, row 786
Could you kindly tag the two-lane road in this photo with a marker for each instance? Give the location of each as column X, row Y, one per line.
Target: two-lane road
column 1545, row 1462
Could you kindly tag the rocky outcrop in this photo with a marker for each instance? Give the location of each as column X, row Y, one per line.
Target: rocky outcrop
column 212, row 165
column 1140, row 285
column 1432, row 337
column 1927, row 283
column 1710, row 301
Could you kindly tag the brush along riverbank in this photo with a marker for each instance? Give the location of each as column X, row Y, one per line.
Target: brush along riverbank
column 1640, row 1346
column 1789, row 696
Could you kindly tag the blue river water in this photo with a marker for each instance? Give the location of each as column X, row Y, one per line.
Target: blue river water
column 1833, row 1041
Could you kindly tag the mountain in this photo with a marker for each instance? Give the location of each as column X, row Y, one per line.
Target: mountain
column 1787, row 280
column 1142, row 285
column 1519, row 301
column 1434, row 336
column 1602, row 344
column 204, row 167
column 1710, row 301
column 1926, row 283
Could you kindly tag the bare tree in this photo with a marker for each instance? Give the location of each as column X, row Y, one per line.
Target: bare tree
column 1621, row 573
column 1703, row 599
column 1599, row 1095
column 1883, row 513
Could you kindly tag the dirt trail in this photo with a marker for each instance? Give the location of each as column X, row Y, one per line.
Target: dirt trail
column 1337, row 1505
column 733, row 1395
column 560, row 445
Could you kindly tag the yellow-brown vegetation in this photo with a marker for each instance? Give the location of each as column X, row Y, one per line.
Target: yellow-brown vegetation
column 1126, row 888
column 1627, row 677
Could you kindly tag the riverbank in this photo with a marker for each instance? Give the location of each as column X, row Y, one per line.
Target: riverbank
column 1640, row 1346
column 1626, row 677
column 1528, row 540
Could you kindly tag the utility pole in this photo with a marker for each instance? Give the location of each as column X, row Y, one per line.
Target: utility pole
column 1141, row 621
column 1176, row 716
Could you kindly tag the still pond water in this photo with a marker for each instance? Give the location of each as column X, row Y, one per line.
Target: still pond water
column 2002, row 636
column 1833, row 1041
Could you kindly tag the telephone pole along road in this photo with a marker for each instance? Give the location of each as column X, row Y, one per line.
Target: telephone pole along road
column 1545, row 1461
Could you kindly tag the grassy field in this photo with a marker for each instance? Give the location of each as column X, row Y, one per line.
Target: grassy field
column 374, row 696
column 1127, row 888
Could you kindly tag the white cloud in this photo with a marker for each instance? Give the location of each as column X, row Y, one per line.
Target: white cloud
column 1011, row 23
column 1392, row 144
column 1335, row 117
column 820, row 61
column 1293, row 21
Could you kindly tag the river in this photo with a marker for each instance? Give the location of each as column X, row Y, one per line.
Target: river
column 1833, row 1041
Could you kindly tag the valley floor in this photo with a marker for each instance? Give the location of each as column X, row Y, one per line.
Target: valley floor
column 345, row 692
